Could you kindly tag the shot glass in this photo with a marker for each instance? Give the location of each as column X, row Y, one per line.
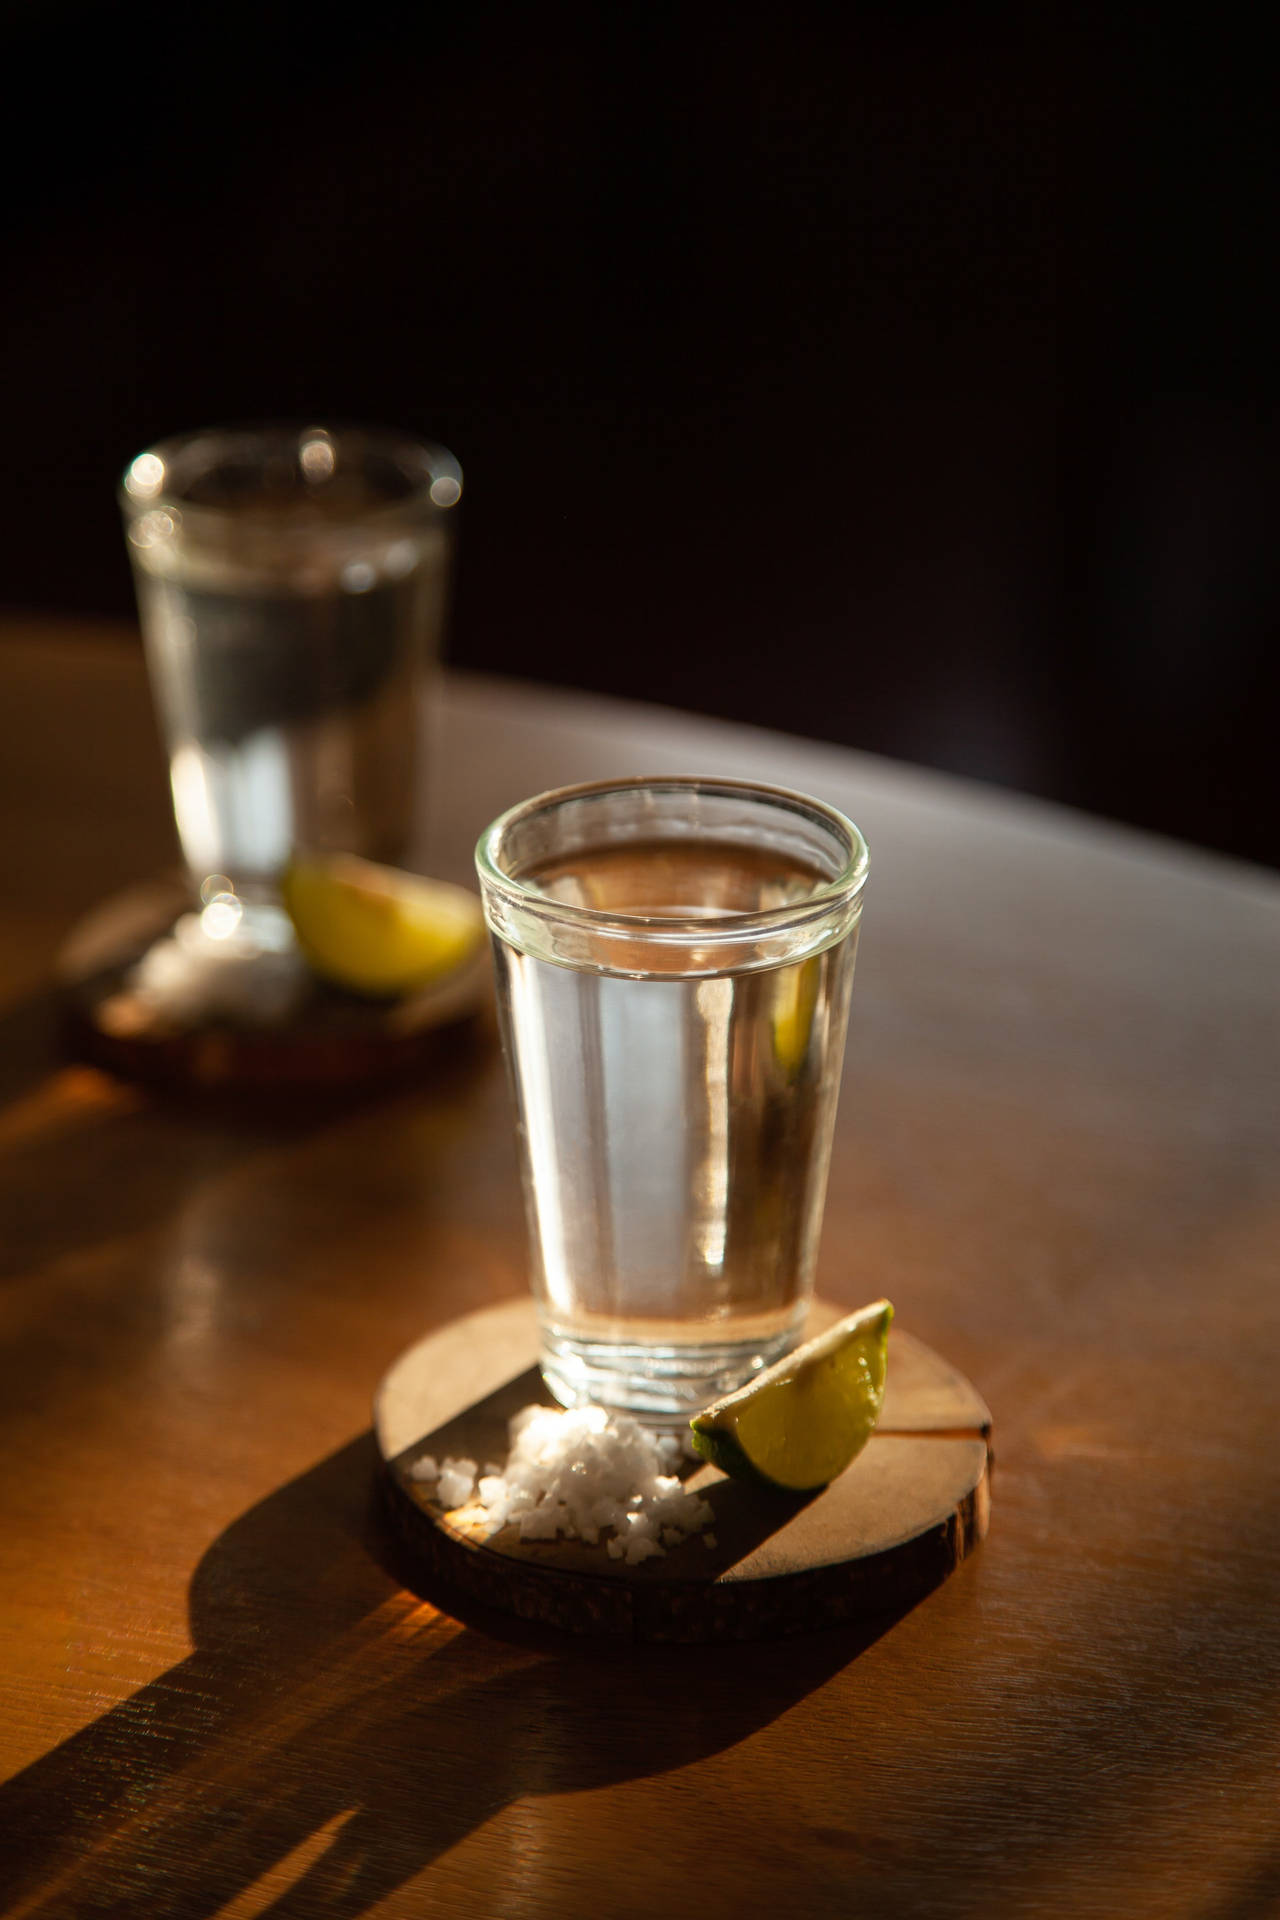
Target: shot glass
column 291, row 585
column 674, row 959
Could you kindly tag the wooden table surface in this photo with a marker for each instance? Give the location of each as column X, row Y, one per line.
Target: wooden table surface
column 1057, row 1153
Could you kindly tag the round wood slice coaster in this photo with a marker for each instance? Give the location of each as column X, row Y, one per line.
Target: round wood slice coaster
column 891, row 1528
column 328, row 1039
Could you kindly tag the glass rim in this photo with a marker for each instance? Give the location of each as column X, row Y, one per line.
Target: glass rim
column 141, row 490
column 839, row 892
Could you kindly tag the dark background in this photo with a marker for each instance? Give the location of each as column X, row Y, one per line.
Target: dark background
column 903, row 377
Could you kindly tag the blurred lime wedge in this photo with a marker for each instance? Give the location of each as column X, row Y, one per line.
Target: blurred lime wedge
column 376, row 930
column 796, row 997
column 800, row 1423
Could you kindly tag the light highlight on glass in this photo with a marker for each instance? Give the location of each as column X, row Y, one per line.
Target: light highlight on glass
column 316, row 456
column 145, row 476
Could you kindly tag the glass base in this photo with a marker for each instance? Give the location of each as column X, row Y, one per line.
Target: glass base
column 660, row 1385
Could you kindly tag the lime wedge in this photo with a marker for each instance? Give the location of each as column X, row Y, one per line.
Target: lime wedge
column 800, row 1423
column 376, row 930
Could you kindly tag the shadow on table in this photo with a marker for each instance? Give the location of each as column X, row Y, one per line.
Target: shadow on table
column 29, row 1043
column 328, row 1716
column 1257, row 1899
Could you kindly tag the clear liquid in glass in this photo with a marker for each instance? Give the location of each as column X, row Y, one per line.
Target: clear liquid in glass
column 675, row 1131
column 288, row 676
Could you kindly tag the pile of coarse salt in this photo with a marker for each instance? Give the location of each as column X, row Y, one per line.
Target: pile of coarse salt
column 191, row 975
column 579, row 1472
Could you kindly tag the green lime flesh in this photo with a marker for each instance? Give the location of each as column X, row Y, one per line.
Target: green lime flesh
column 804, row 1420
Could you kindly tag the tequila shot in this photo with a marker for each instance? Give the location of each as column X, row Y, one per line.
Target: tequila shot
column 674, row 960
column 291, row 584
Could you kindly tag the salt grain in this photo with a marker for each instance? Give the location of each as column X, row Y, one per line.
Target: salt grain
column 457, row 1482
column 252, row 979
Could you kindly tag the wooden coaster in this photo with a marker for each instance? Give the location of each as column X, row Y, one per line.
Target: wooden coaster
column 329, row 1040
column 912, row 1505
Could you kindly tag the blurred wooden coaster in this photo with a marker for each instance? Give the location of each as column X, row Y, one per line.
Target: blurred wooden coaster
column 890, row 1529
column 328, row 1040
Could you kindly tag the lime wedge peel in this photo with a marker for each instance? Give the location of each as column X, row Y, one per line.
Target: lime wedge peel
column 801, row 1422
column 378, row 931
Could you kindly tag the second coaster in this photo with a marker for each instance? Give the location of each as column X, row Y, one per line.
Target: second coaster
column 327, row 1040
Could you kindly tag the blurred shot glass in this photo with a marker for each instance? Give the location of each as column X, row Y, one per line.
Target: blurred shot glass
column 291, row 585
